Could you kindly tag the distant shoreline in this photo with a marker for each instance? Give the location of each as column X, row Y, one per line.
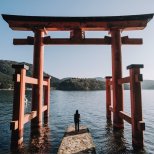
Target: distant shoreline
column 69, row 90
column 65, row 84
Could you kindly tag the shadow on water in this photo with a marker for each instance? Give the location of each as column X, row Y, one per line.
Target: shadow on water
column 39, row 142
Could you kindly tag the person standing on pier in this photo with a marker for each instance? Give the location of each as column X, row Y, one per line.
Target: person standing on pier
column 77, row 120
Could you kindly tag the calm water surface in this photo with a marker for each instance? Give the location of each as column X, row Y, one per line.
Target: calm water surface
column 91, row 105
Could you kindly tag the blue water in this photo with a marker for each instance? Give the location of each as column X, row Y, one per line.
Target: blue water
column 91, row 105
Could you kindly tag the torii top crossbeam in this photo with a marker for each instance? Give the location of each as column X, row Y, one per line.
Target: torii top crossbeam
column 131, row 22
column 77, row 27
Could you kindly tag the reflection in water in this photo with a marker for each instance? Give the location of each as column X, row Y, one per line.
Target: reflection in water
column 108, row 127
column 116, row 141
column 15, row 149
column 92, row 108
column 39, row 142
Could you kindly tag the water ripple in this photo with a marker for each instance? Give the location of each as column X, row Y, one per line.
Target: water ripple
column 91, row 105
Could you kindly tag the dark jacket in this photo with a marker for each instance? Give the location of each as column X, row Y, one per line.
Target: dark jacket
column 76, row 118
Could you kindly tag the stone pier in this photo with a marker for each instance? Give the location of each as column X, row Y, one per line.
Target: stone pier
column 77, row 142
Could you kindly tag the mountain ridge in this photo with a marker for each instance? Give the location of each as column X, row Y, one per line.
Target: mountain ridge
column 6, row 72
column 69, row 83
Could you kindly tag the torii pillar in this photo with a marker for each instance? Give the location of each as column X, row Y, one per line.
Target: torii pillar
column 38, row 62
column 116, row 75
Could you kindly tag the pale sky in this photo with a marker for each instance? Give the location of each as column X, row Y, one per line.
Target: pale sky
column 80, row 61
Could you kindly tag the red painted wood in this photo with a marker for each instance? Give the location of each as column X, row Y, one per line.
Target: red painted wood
column 44, row 108
column 38, row 61
column 18, row 106
column 136, row 108
column 108, row 97
column 45, row 83
column 77, row 41
column 116, row 75
column 31, row 80
column 22, row 104
column 47, row 99
column 29, row 116
column 125, row 116
column 124, row 80
column 15, row 115
column 131, row 22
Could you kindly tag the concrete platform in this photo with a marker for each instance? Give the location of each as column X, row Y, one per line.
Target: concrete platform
column 77, row 142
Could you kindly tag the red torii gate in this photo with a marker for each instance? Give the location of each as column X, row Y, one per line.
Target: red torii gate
column 77, row 27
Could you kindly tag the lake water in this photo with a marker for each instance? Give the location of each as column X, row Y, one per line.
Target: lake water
column 91, row 105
